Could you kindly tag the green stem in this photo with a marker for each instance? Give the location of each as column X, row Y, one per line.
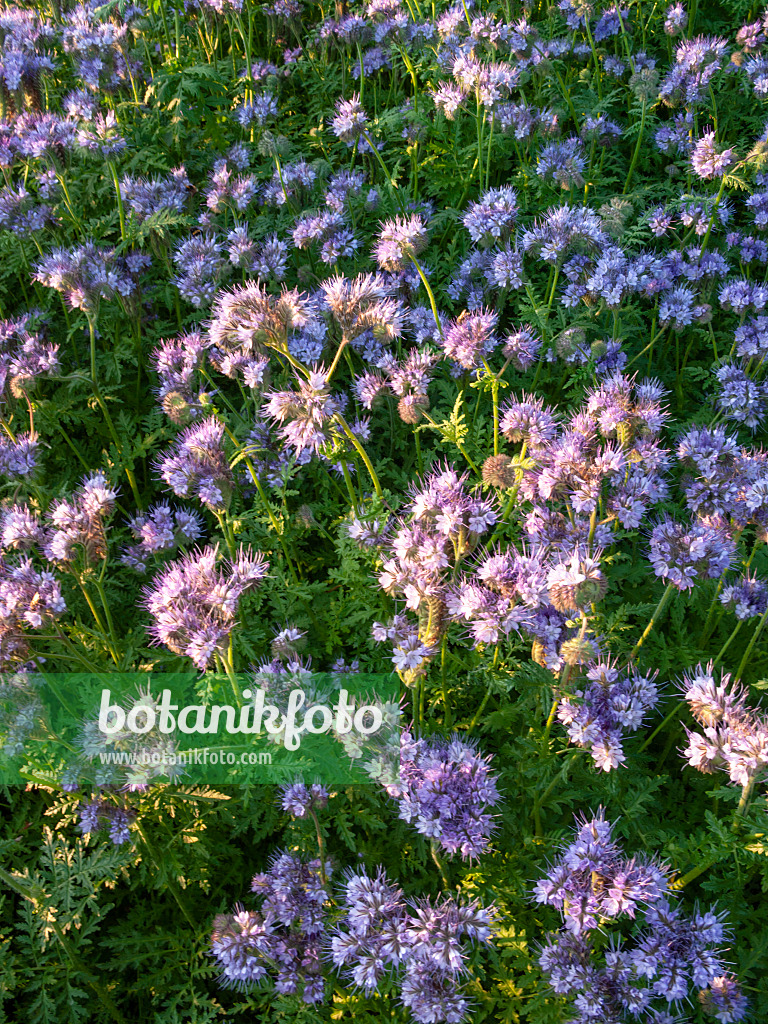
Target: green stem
column 714, row 215
column 419, row 461
column 97, row 618
column 270, row 513
column 320, row 846
column 654, row 619
column 746, row 792
column 480, row 710
column 227, row 661
column 443, row 676
column 228, row 535
column 667, row 718
column 552, row 713
column 430, row 293
column 362, row 453
column 390, row 180
column 68, row 203
column 488, row 158
column 105, row 605
column 350, row 487
column 727, row 643
column 636, row 153
column 710, row 615
column 751, row 645
column 440, row 865
column 567, row 97
column 335, row 363
column 480, row 126
column 105, row 412
column 120, row 208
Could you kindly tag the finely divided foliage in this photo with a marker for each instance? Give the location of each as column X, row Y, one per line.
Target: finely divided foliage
column 420, row 341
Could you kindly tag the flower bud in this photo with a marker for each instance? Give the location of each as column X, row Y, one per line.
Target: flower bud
column 411, row 408
column 578, row 651
column 499, row 471
column 177, row 408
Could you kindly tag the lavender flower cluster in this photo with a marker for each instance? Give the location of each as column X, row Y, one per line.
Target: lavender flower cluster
column 374, row 938
column 314, row 293
column 444, row 789
column 733, row 736
column 194, row 601
column 424, row 942
column 285, row 936
column 606, row 703
column 594, row 884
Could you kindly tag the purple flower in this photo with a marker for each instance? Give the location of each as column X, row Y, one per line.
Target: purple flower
column 148, row 196
column 305, row 416
column 77, row 526
column 200, row 267
column 86, row 274
column 194, row 601
column 444, row 789
column 28, row 599
column 230, row 191
column 299, row 799
column 522, row 348
column 733, row 736
column 676, row 20
column 563, row 229
column 740, row 398
column 24, row 355
column 440, row 526
column 563, row 162
column 526, row 419
column 603, row 706
column 697, row 61
column 679, row 307
column 491, row 219
column 624, row 886
column 399, row 241
column 470, row 338
column 258, row 111
column 101, row 814
column 285, row 937
column 424, row 944
column 178, row 362
column 667, row 954
column 506, row 269
column 19, row 528
column 196, row 465
column 249, row 320
column 724, row 1000
column 364, row 304
column 576, row 583
column 682, row 554
column 18, row 458
column 675, row 136
column 160, row 528
column 350, row 121
column 449, row 98
column 102, row 135
column 747, row 597
column 707, row 161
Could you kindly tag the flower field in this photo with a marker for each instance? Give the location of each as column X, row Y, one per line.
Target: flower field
column 411, row 347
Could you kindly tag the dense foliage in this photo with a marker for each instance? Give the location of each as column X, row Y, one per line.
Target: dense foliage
column 388, row 337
